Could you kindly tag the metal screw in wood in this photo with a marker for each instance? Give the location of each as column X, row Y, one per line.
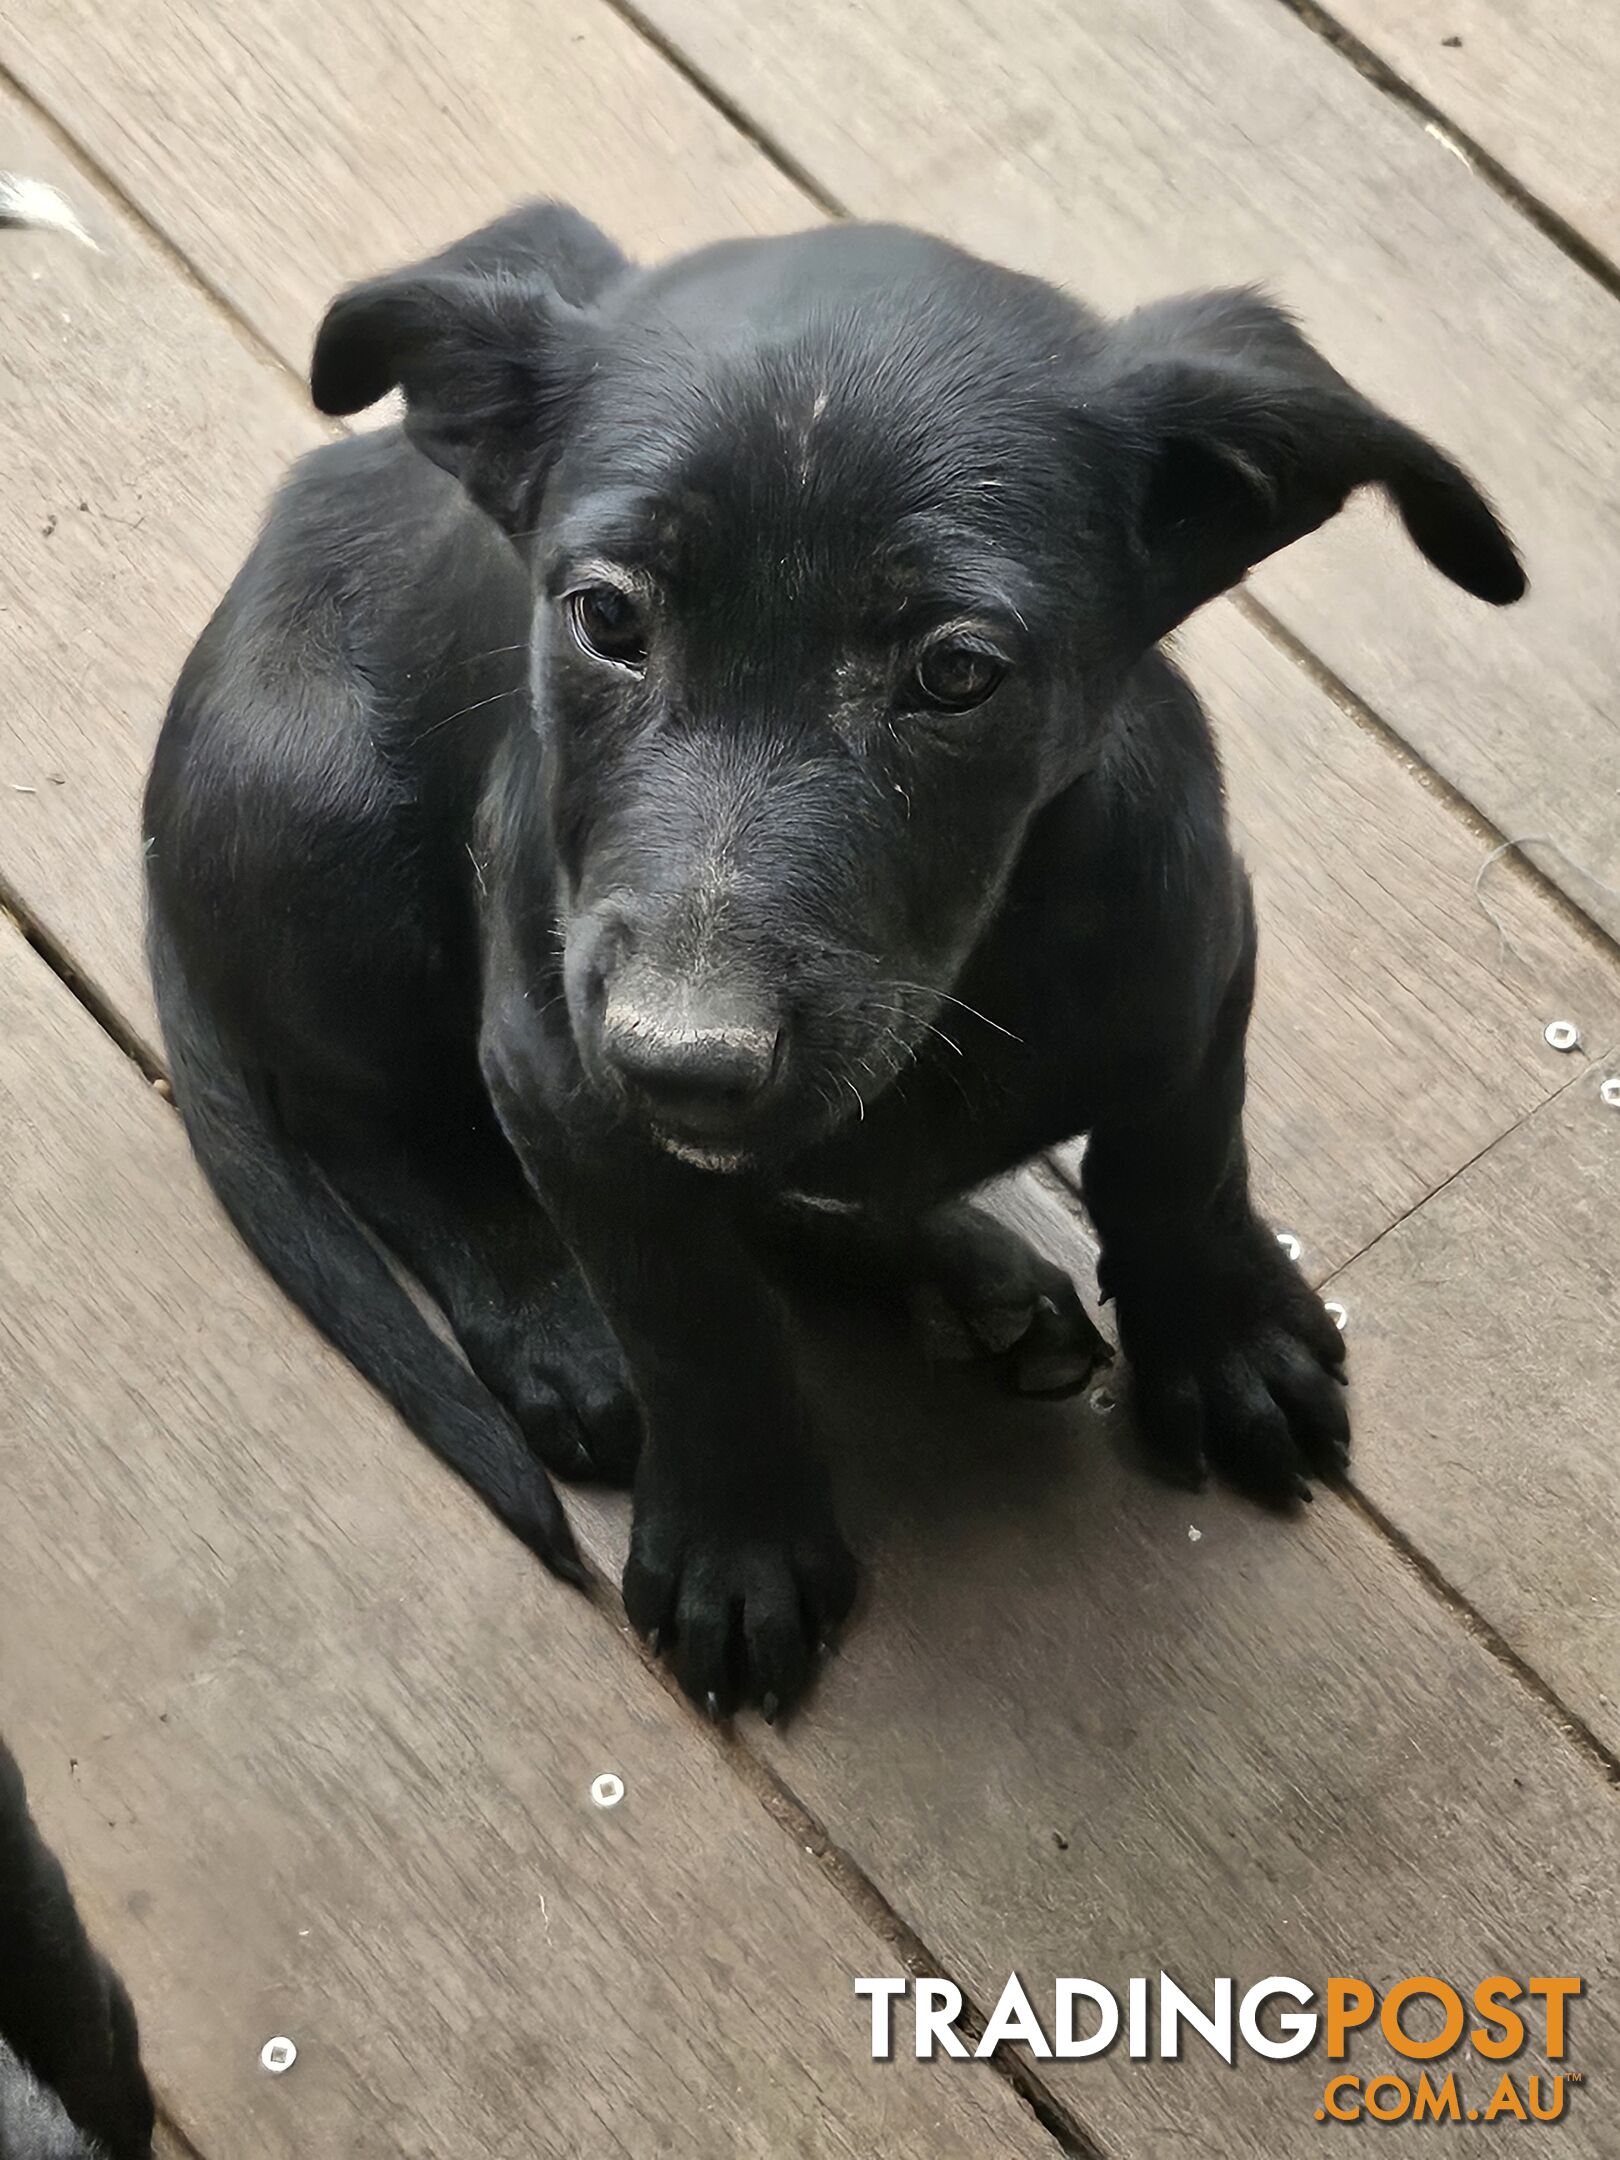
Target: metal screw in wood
column 278, row 2055
column 607, row 1790
column 1562, row 1035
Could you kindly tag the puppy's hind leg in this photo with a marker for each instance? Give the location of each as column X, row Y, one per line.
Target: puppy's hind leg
column 459, row 1214
column 975, row 1289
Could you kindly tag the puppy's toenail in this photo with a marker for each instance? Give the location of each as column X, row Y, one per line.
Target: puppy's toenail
column 770, row 1709
column 655, row 1640
column 714, row 1706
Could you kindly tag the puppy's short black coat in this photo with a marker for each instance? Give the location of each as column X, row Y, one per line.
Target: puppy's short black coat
column 703, row 797
column 71, row 2082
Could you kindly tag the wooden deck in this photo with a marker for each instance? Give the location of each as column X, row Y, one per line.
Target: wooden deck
column 313, row 1736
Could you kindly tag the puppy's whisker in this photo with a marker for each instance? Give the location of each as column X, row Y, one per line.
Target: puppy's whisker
column 470, row 660
column 946, row 997
column 977, row 1015
column 513, row 690
column 473, row 659
column 928, row 1027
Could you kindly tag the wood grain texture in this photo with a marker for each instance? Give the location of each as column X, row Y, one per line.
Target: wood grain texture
column 1067, row 1737
column 288, row 148
column 1134, row 151
column 139, row 439
column 1536, row 83
column 316, row 1738
column 1487, row 1356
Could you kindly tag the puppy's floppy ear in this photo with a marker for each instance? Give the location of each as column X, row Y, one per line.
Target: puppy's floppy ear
column 1239, row 438
column 483, row 343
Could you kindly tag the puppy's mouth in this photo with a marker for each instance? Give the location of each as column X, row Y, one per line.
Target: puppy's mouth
column 724, row 1162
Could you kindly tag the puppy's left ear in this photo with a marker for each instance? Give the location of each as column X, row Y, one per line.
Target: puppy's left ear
column 1239, row 438
column 484, row 347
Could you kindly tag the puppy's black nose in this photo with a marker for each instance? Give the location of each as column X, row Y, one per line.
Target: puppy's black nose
column 699, row 1068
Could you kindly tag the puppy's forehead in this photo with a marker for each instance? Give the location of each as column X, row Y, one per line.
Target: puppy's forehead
column 865, row 400
column 739, row 288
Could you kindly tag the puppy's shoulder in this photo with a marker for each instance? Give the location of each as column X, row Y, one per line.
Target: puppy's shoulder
column 1157, row 783
column 369, row 514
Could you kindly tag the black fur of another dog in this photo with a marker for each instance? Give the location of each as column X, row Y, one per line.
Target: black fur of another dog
column 71, row 2082
column 705, row 796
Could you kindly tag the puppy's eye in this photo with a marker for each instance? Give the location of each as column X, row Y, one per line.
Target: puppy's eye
column 956, row 675
column 608, row 624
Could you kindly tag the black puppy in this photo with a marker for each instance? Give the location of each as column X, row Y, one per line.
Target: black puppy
column 706, row 794
column 71, row 2082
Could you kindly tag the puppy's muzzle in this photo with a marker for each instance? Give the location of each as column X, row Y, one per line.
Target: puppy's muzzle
column 697, row 1062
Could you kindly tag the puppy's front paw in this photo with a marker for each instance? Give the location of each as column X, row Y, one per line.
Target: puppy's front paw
column 739, row 1600
column 1238, row 1367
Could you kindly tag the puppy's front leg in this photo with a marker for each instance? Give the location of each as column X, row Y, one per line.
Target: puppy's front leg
column 1237, row 1365
column 736, row 1564
column 736, row 1569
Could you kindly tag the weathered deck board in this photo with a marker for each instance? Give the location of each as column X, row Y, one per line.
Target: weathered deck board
column 1270, row 1750
column 1487, row 1354
column 315, row 1737
column 1537, row 87
column 138, row 437
column 287, row 148
column 1134, row 151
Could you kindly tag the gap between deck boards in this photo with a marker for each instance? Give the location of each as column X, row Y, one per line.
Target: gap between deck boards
column 778, row 1800
column 1388, row 80
column 822, row 201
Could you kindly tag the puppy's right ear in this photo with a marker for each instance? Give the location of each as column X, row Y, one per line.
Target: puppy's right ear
column 484, row 347
column 1237, row 438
